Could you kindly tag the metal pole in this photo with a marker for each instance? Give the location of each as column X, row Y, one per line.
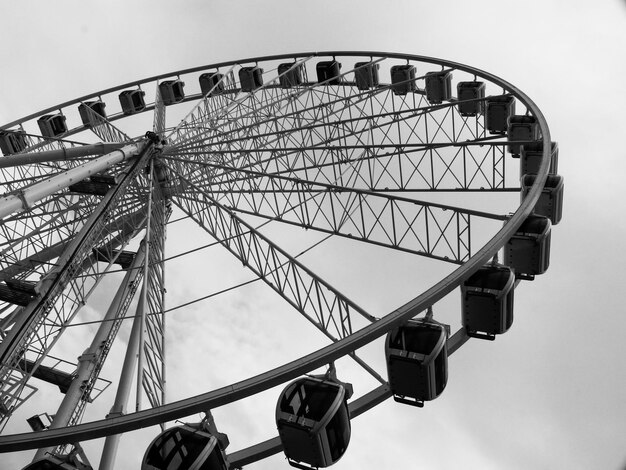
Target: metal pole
column 91, row 357
column 111, row 443
column 29, row 196
column 58, row 155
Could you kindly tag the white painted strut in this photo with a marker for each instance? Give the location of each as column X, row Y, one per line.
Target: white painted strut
column 58, row 154
column 27, row 197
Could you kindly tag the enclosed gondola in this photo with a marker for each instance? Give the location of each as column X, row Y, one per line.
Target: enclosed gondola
column 487, row 301
column 521, row 128
column 498, row 111
column 132, row 101
column 52, row 125
column 366, row 75
column 185, row 447
column 471, row 98
column 313, row 421
column 438, row 87
column 250, row 78
column 328, row 72
column 92, row 112
column 290, row 74
column 13, row 141
column 550, row 203
column 531, row 156
column 528, row 250
column 172, row 91
column 211, row 83
column 403, row 79
column 417, row 361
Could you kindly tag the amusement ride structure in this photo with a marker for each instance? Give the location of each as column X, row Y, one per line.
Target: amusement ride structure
column 420, row 156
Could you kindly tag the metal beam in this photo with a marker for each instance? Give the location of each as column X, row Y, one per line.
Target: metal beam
column 122, row 394
column 29, row 196
column 434, row 230
column 59, row 154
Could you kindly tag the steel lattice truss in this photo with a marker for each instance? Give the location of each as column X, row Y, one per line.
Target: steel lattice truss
column 153, row 373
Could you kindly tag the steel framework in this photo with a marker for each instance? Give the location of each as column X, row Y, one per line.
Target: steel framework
column 365, row 163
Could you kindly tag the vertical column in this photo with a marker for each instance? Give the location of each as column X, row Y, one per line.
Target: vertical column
column 93, row 357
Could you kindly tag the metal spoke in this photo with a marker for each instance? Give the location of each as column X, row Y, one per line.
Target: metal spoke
column 151, row 368
column 384, row 219
column 258, row 145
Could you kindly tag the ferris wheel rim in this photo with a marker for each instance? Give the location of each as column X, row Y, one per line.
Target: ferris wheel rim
column 155, row 78
column 324, row 355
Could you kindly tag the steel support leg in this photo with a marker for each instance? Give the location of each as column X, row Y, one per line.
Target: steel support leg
column 95, row 354
column 109, row 451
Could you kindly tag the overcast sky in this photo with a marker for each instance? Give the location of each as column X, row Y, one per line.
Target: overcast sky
column 548, row 394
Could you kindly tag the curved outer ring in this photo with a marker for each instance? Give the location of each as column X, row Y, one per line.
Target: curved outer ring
column 291, row 370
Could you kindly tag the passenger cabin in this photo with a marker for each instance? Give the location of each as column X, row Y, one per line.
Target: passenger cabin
column 51, row 462
column 550, row 203
column 132, row 101
column 471, row 97
column 184, row 447
column 528, row 250
column 328, row 72
column 531, row 156
column 92, row 112
column 52, row 125
column 290, row 74
column 211, row 83
column 250, row 78
column 313, row 421
column 366, row 75
column 487, row 296
column 172, row 91
column 12, row 141
column 403, row 79
column 498, row 111
column 417, row 361
column 438, row 87
column 521, row 128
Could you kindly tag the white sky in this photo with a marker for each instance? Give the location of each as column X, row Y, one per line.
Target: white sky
column 549, row 393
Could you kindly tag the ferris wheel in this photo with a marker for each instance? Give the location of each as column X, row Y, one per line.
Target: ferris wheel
column 393, row 153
